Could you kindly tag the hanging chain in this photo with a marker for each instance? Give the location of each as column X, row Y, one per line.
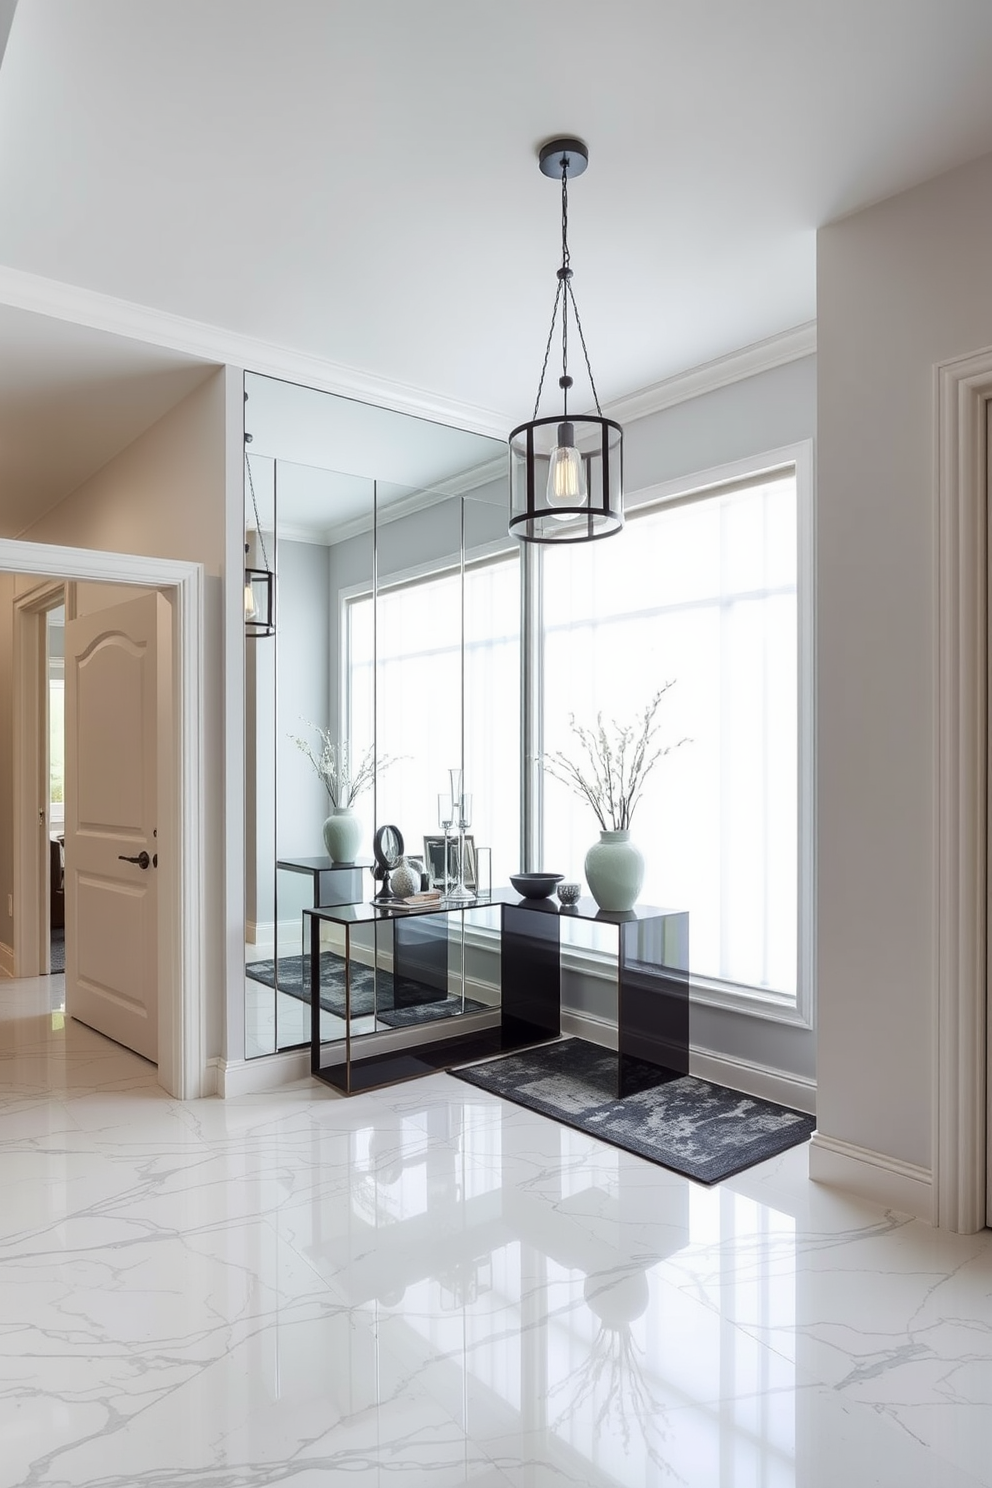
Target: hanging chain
column 565, row 279
column 547, row 350
column 578, row 326
column 258, row 520
column 564, row 294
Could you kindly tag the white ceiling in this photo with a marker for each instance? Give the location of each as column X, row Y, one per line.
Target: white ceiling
column 356, row 179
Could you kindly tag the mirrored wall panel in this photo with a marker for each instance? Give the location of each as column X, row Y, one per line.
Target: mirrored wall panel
column 387, row 696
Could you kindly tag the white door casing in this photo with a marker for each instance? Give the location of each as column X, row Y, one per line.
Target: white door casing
column 960, row 1172
column 118, row 729
column 32, row 932
column 183, row 1069
column 988, row 826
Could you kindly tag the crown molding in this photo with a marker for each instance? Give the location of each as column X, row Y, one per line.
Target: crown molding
column 215, row 344
column 416, row 501
column 762, row 356
column 211, row 343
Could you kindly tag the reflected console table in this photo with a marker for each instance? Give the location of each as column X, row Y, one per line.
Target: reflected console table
column 652, row 987
column 330, row 883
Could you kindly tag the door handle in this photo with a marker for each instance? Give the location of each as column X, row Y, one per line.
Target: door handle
column 142, row 859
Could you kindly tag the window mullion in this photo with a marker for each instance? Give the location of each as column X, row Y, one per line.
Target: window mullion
column 531, row 706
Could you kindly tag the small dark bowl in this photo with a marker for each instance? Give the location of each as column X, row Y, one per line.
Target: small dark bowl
column 535, row 885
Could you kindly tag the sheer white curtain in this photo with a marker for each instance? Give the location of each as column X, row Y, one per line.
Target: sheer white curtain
column 702, row 593
column 418, row 698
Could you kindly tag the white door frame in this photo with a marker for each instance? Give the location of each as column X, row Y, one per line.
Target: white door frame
column 30, row 706
column 960, row 1065
column 182, row 1044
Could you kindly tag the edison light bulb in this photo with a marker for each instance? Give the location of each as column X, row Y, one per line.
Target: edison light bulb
column 249, row 602
column 566, row 477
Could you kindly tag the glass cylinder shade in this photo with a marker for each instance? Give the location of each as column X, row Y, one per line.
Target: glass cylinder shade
column 260, row 602
column 566, row 491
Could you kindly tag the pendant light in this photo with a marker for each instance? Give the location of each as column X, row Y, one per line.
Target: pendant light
column 260, row 583
column 566, row 472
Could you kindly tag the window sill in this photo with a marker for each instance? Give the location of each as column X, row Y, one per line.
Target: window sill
column 749, row 1002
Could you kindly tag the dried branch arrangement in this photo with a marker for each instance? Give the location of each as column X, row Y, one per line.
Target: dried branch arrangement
column 615, row 762
column 333, row 764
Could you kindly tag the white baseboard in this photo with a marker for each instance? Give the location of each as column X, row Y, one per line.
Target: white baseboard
column 272, row 1071
column 872, row 1175
column 262, row 935
column 797, row 1091
column 737, row 1074
column 601, row 1031
column 255, row 1076
column 6, row 960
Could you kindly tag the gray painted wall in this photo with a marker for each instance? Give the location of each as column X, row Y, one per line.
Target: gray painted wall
column 303, row 692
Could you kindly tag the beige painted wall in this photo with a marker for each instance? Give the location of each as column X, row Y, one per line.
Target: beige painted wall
column 901, row 287
column 6, row 769
column 166, row 496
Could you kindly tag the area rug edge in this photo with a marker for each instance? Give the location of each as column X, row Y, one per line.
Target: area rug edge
column 774, row 1144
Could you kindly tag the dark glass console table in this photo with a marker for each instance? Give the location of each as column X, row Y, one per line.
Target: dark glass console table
column 330, row 883
column 652, row 982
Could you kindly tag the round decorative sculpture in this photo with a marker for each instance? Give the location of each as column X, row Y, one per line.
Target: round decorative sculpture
column 404, row 879
column 614, row 871
column 342, row 835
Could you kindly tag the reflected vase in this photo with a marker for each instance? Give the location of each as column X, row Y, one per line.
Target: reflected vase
column 342, row 835
column 614, row 871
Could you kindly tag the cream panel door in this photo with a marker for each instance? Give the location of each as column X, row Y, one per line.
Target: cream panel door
column 117, row 674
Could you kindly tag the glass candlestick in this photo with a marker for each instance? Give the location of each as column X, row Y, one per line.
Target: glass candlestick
column 445, row 820
column 463, row 820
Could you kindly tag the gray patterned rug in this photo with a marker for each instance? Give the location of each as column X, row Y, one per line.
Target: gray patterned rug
column 400, row 1006
column 704, row 1131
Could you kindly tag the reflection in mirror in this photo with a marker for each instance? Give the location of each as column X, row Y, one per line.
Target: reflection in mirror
column 260, row 768
column 397, row 642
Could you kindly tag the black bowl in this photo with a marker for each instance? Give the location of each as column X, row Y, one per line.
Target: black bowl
column 535, row 885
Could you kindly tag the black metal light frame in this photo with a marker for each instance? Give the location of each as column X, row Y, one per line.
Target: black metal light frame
column 596, row 442
column 600, row 444
column 260, row 582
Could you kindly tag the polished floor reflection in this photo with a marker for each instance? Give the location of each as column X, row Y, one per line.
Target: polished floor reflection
column 428, row 1286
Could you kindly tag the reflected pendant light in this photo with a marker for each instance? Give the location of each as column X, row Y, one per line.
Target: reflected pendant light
column 260, row 583
column 566, row 472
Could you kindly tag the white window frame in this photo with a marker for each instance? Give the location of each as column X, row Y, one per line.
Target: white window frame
column 434, row 568
column 797, row 1011
column 778, row 1007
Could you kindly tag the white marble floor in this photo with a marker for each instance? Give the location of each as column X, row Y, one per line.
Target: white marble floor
column 426, row 1286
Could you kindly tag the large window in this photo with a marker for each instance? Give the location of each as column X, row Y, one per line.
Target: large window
column 705, row 589
column 700, row 591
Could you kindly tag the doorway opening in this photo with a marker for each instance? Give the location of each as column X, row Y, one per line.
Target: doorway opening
column 53, row 728
column 183, row 1069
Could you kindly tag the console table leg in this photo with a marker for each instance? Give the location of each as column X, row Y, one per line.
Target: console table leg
column 653, row 1000
column 314, row 991
column 530, row 977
